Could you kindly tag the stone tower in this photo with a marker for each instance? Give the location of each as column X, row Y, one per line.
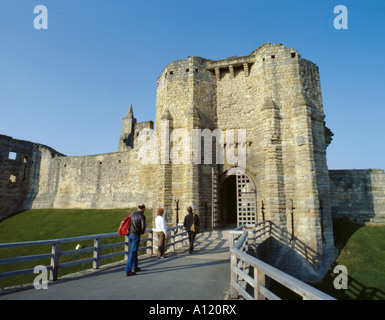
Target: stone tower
column 274, row 96
column 185, row 101
column 127, row 137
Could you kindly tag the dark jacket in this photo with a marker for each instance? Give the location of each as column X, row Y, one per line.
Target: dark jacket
column 138, row 223
column 188, row 221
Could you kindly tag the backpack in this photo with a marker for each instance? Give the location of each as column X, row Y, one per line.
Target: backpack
column 125, row 225
column 194, row 227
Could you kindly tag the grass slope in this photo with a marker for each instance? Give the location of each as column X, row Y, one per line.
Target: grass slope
column 41, row 224
column 362, row 251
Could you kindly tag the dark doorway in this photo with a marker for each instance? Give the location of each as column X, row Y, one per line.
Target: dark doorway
column 229, row 200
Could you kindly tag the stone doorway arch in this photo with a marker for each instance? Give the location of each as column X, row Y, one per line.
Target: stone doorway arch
column 229, row 200
column 238, row 199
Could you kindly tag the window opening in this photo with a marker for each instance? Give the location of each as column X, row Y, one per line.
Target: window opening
column 12, row 155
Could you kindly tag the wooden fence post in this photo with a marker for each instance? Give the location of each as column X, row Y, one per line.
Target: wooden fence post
column 126, row 247
column 55, row 261
column 259, row 280
column 233, row 277
column 173, row 240
column 95, row 263
column 151, row 236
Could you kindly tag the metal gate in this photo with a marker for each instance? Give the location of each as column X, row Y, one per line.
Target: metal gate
column 246, row 201
column 216, row 219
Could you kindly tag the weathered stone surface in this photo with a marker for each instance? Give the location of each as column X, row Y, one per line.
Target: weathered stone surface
column 19, row 173
column 358, row 195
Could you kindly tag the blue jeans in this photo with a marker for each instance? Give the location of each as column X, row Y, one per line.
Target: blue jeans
column 132, row 262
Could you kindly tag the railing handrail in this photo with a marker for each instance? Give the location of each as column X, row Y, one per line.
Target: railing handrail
column 239, row 242
column 262, row 269
column 60, row 240
column 56, row 253
column 71, row 239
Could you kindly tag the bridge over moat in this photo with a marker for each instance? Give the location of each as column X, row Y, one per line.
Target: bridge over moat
column 220, row 268
column 208, row 268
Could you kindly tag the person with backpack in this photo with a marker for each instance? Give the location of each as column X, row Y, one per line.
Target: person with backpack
column 137, row 228
column 191, row 224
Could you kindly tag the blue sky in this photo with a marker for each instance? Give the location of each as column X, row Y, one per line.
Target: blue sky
column 70, row 86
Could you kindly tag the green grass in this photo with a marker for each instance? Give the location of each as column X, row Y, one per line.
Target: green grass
column 362, row 251
column 45, row 224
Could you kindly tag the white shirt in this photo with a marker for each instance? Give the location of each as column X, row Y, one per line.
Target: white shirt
column 160, row 225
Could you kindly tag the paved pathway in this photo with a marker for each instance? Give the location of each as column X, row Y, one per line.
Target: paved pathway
column 203, row 275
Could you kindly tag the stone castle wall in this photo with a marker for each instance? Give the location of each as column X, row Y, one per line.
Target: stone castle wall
column 358, row 195
column 100, row 181
column 19, row 172
column 40, row 177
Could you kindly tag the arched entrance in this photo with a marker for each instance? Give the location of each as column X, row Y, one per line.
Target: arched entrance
column 238, row 200
column 229, row 200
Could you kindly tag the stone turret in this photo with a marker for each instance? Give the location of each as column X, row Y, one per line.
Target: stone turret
column 126, row 139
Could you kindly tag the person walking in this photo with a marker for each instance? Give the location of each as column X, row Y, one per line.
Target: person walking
column 137, row 227
column 189, row 220
column 161, row 231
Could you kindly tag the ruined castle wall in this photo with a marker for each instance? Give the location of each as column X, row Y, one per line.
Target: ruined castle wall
column 36, row 176
column 19, row 170
column 358, row 195
column 13, row 185
column 113, row 180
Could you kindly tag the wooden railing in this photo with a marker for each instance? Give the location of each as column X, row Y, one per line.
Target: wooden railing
column 178, row 235
column 241, row 263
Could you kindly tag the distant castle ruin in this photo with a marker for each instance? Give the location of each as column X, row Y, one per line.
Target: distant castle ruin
column 264, row 109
